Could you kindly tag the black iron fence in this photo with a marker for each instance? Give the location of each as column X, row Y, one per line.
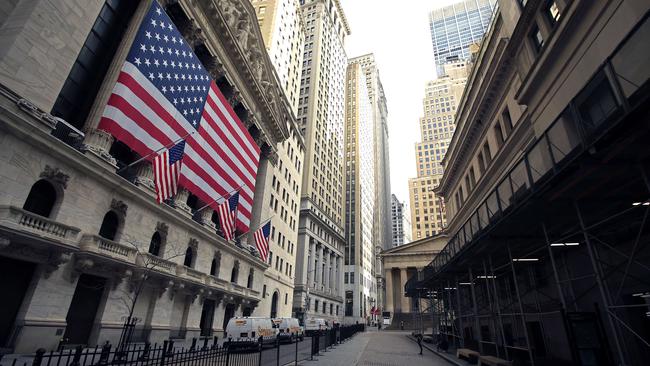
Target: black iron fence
column 202, row 352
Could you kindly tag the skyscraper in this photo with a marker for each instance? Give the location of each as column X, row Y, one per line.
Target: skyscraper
column 283, row 31
column 400, row 222
column 381, row 218
column 359, row 278
column 436, row 128
column 455, row 27
column 319, row 268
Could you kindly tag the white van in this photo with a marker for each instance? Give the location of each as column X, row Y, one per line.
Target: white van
column 288, row 329
column 315, row 325
column 246, row 331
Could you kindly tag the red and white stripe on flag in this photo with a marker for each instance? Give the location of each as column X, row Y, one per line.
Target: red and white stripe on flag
column 157, row 102
column 165, row 176
column 227, row 219
column 262, row 241
column 222, row 158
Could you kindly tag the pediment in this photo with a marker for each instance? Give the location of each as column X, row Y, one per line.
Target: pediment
column 431, row 244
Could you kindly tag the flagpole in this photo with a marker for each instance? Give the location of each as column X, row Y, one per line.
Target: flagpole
column 215, row 200
column 262, row 224
column 155, row 152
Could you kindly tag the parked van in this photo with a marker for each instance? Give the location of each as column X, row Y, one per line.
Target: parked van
column 288, row 329
column 246, row 331
column 315, row 325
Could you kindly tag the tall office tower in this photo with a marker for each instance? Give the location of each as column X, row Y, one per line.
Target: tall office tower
column 359, row 279
column 400, row 222
column 283, row 30
column 319, row 271
column 381, row 219
column 455, row 27
column 436, row 128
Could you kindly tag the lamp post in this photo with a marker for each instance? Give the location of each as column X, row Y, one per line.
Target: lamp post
column 307, row 297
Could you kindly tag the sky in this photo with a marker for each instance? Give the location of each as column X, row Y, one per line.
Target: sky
column 400, row 38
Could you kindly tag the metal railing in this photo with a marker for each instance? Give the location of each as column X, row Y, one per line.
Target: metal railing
column 206, row 351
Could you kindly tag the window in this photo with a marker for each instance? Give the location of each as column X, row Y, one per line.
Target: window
column 80, row 89
column 507, row 120
column 481, row 163
column 41, row 198
column 264, row 292
column 536, row 38
column 486, row 152
column 189, row 257
column 596, row 102
column 109, row 227
column 234, row 274
column 215, row 265
column 498, row 134
column 154, row 245
column 251, row 276
column 552, row 12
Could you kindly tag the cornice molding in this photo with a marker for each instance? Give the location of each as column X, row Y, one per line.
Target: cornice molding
column 233, row 25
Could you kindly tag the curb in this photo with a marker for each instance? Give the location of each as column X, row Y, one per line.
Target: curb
column 444, row 356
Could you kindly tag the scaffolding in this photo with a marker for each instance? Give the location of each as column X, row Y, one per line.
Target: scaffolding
column 553, row 267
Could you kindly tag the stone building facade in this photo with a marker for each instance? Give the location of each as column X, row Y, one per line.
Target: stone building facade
column 283, row 31
column 400, row 264
column 82, row 242
column 359, row 279
column 319, row 268
column 546, row 185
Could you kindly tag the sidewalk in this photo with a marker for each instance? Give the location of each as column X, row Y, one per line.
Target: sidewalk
column 372, row 348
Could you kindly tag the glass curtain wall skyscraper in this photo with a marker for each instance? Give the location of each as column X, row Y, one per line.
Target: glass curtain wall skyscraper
column 455, row 27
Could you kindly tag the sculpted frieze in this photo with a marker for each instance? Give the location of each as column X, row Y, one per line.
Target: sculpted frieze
column 56, row 176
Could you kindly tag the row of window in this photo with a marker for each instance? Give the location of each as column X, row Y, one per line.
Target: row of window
column 43, row 198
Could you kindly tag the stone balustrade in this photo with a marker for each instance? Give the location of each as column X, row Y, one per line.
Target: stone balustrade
column 33, row 224
column 97, row 244
column 156, row 263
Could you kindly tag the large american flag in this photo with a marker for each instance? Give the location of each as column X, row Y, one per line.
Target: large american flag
column 262, row 240
column 164, row 94
column 167, row 170
column 227, row 216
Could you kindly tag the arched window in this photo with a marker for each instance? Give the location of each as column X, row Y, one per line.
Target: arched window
column 189, row 257
column 41, row 198
column 109, row 226
column 155, row 244
column 274, row 304
column 251, row 275
column 235, row 272
column 216, row 264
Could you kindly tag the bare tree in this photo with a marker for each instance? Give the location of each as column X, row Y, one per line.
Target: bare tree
column 146, row 264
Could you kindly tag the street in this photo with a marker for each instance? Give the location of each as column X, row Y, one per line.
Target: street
column 385, row 348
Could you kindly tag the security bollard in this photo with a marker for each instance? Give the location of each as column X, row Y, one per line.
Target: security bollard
column 296, row 359
column 106, row 352
column 39, row 357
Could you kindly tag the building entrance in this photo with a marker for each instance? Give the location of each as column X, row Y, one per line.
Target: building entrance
column 83, row 309
column 15, row 276
column 207, row 316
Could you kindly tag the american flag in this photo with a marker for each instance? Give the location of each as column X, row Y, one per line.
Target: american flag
column 227, row 211
column 167, row 170
column 262, row 240
column 164, row 94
